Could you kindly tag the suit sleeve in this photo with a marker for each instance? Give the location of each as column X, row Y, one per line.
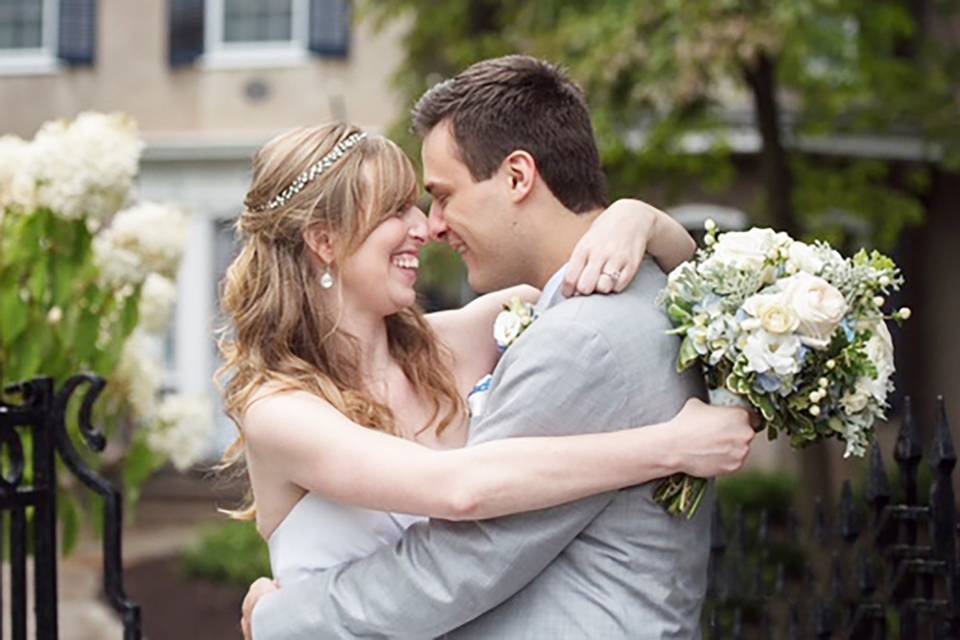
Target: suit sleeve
column 558, row 381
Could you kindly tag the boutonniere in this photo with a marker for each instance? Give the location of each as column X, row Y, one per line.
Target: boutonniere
column 515, row 318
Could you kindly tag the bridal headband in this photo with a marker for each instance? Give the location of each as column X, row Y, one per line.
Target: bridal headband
column 327, row 161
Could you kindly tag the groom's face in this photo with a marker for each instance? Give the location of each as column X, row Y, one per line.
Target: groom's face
column 473, row 217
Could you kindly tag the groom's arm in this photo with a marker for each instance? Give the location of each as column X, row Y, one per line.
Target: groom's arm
column 561, row 380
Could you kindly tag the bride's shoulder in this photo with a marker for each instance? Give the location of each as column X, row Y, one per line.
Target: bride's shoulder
column 273, row 405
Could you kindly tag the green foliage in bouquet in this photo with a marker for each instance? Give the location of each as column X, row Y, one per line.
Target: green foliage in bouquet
column 86, row 285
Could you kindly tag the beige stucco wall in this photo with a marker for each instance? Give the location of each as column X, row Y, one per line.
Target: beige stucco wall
column 132, row 74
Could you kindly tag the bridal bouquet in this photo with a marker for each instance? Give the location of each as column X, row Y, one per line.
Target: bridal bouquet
column 794, row 330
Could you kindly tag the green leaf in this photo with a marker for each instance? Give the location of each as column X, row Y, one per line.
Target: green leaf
column 13, row 315
column 141, row 462
column 679, row 315
column 69, row 517
column 85, row 335
column 130, row 314
column 688, row 354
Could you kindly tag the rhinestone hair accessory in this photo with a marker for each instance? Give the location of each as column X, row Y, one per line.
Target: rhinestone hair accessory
column 343, row 147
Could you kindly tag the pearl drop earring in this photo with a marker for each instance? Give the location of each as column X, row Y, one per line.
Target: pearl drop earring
column 326, row 280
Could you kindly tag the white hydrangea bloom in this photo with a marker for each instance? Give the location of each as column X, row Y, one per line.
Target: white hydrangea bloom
column 86, row 166
column 17, row 174
column 138, row 377
column 119, row 267
column 156, row 303
column 155, row 232
column 183, row 429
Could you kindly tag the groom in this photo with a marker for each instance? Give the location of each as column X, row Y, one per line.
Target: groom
column 510, row 160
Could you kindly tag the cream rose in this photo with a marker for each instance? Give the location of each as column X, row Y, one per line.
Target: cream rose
column 819, row 306
column 771, row 313
column 507, row 328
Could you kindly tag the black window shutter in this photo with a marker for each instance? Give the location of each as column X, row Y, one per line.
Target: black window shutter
column 77, row 31
column 186, row 31
column 330, row 27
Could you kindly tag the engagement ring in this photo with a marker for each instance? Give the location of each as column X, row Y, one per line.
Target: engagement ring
column 613, row 275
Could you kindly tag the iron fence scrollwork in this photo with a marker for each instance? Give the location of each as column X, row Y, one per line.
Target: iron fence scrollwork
column 882, row 566
column 28, row 500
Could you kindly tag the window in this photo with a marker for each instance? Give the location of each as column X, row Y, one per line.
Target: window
column 28, row 36
column 256, row 32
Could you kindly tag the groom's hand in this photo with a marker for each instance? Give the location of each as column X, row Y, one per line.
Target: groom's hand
column 713, row 441
column 257, row 590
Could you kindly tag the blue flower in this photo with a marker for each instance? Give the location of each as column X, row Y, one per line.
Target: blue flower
column 849, row 330
column 767, row 383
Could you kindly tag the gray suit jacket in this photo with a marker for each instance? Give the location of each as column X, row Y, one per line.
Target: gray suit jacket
column 613, row 565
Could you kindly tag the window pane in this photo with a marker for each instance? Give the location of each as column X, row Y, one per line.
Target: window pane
column 21, row 24
column 257, row 20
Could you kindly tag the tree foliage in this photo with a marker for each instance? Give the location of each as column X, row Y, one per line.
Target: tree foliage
column 672, row 85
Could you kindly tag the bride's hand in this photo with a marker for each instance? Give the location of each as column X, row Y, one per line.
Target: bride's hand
column 260, row 588
column 608, row 256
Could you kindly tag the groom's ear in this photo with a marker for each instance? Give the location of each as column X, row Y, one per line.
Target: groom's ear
column 520, row 172
column 322, row 242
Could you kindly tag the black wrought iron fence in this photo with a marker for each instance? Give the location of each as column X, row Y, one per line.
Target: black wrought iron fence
column 28, row 501
column 884, row 566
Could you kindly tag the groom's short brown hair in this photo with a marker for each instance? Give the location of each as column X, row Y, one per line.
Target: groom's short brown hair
column 518, row 102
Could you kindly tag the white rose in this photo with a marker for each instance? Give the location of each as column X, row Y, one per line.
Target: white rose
column 880, row 351
column 745, row 249
column 856, row 401
column 506, row 328
column 771, row 313
column 803, row 257
column 818, row 304
column 770, row 352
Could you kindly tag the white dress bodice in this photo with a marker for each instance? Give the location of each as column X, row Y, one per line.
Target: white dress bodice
column 318, row 534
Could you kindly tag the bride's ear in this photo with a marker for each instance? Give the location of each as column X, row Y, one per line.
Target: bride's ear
column 321, row 242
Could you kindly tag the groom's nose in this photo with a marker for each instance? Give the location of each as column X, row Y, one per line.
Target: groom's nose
column 436, row 224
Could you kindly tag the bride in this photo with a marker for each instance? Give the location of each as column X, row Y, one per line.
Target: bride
column 350, row 402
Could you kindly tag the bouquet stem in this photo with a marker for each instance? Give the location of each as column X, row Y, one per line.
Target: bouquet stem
column 681, row 495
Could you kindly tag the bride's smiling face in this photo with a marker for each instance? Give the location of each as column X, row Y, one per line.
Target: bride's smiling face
column 380, row 275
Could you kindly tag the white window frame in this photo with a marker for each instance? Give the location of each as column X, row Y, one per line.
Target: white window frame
column 257, row 54
column 40, row 60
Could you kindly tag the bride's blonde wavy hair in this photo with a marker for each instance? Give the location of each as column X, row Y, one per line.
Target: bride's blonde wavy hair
column 281, row 327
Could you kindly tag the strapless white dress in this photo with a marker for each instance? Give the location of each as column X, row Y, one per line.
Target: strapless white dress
column 318, row 534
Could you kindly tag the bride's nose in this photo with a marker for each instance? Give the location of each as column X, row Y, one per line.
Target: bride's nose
column 418, row 226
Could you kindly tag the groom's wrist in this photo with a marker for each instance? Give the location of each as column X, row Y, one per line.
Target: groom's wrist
column 671, row 456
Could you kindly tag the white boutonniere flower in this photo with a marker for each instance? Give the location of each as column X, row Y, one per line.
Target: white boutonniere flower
column 515, row 318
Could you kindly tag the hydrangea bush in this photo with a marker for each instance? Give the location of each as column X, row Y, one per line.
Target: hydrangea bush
column 87, row 284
